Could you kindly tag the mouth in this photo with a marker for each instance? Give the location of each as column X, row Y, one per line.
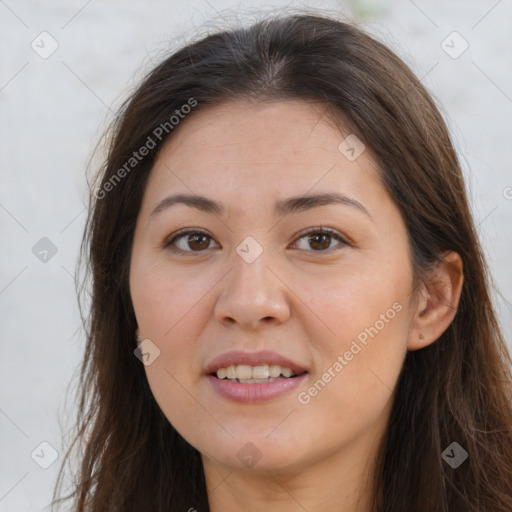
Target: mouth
column 254, row 377
column 247, row 374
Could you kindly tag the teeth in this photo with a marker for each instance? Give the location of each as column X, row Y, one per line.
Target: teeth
column 286, row 372
column 275, row 370
column 260, row 372
column 245, row 372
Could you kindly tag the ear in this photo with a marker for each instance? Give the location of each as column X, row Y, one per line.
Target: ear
column 438, row 299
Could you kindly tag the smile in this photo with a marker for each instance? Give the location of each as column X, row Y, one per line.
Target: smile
column 254, row 374
column 247, row 377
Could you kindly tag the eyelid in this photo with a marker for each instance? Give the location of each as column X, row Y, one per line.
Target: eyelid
column 317, row 229
column 322, row 230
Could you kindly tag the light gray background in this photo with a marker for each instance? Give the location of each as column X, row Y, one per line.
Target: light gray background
column 53, row 111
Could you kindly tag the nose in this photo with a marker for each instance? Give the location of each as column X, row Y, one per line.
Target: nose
column 253, row 295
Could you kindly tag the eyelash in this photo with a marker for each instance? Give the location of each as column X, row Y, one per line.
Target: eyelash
column 311, row 231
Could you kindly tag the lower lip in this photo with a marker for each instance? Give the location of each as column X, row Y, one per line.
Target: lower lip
column 256, row 392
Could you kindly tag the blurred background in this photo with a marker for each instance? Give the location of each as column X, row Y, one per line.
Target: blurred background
column 65, row 66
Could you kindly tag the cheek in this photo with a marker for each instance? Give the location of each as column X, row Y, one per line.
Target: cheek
column 361, row 302
column 168, row 309
column 167, row 301
column 169, row 312
column 361, row 356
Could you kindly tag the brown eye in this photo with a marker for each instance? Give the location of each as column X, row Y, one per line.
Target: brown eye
column 198, row 241
column 190, row 241
column 320, row 239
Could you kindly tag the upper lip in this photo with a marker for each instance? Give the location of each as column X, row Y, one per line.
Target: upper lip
column 252, row 359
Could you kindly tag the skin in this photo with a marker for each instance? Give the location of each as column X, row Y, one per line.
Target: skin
column 293, row 298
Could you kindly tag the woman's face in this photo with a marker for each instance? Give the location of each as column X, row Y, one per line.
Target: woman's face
column 250, row 293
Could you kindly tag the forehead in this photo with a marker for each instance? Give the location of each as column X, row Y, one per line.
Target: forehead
column 260, row 149
column 220, row 129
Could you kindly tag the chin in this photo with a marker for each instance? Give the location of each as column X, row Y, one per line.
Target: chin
column 255, row 455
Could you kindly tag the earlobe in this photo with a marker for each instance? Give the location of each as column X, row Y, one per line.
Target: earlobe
column 438, row 302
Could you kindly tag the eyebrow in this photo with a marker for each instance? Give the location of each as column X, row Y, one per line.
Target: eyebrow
column 282, row 207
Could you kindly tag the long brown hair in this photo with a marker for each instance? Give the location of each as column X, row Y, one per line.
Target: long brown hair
column 458, row 389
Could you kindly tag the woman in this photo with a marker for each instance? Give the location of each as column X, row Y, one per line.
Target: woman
column 290, row 307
